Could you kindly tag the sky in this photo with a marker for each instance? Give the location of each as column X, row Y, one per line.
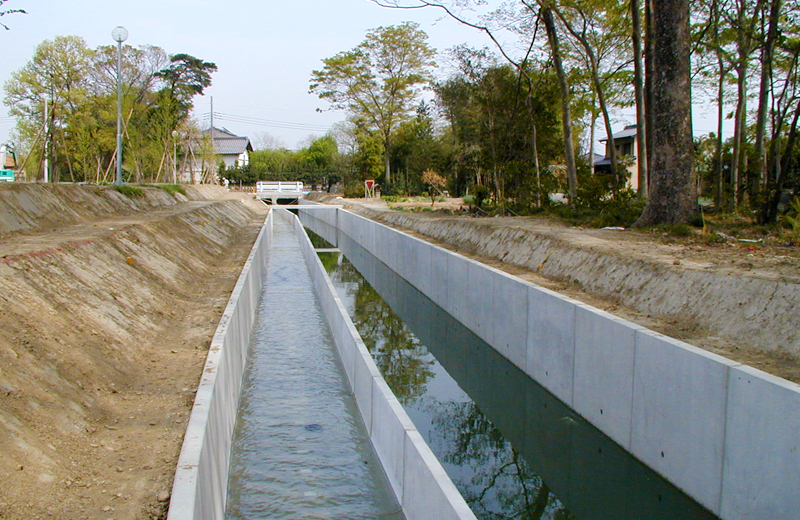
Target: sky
column 265, row 51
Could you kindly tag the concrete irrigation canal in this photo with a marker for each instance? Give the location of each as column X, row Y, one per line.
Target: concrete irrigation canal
column 410, row 382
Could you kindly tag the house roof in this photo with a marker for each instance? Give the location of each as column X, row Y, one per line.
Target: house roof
column 228, row 143
column 628, row 131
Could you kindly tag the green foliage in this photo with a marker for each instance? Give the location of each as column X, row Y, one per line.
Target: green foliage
column 377, row 81
column 792, row 216
column 394, row 198
column 80, row 86
column 130, row 191
column 172, row 189
column 493, row 113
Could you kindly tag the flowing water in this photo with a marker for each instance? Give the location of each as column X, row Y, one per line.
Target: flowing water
column 300, row 449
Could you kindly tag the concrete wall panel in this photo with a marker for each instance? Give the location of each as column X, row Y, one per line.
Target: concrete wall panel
column 761, row 476
column 480, row 295
column 428, row 491
column 679, row 406
column 420, row 267
column 407, row 259
column 437, row 284
column 458, row 286
column 551, row 341
column 363, row 382
column 389, row 425
column 510, row 319
column 603, row 388
column 384, row 243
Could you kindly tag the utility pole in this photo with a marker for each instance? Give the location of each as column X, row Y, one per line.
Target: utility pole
column 120, row 34
column 46, row 176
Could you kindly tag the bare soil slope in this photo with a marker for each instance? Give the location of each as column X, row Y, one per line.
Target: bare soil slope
column 108, row 306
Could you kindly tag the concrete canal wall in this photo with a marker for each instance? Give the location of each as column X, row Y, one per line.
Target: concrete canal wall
column 725, row 433
column 200, row 488
column 201, row 479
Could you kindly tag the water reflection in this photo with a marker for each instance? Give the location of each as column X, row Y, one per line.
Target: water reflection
column 493, row 478
column 511, row 447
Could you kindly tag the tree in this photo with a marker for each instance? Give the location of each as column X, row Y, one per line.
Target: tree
column 57, row 75
column 436, row 182
column 79, row 87
column 503, row 123
column 673, row 191
column 378, row 80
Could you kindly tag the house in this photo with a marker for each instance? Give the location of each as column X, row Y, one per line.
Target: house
column 625, row 146
column 233, row 149
column 230, row 149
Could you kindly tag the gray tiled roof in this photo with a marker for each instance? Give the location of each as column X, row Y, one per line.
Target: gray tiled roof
column 628, row 131
column 227, row 143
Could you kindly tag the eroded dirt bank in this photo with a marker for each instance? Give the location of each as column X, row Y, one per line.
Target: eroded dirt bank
column 108, row 306
column 726, row 299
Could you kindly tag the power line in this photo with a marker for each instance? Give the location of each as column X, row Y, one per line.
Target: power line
column 264, row 122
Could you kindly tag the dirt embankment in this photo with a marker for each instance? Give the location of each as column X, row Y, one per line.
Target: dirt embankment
column 734, row 300
column 108, row 306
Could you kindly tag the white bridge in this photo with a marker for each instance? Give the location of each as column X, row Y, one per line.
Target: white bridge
column 280, row 192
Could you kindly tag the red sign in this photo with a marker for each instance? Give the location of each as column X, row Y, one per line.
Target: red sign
column 369, row 184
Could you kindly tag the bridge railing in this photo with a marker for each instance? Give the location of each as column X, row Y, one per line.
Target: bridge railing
column 278, row 186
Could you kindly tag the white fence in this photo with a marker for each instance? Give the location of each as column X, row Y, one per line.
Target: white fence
column 279, row 186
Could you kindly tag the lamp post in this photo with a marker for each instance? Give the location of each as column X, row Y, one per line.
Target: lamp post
column 120, row 34
column 175, row 157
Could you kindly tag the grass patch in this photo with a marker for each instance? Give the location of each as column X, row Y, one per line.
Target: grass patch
column 172, row 189
column 394, row 198
column 130, row 191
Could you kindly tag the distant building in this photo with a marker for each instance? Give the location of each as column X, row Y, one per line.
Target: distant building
column 233, row 149
column 625, row 146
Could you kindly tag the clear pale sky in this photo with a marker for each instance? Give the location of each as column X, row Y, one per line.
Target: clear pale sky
column 264, row 50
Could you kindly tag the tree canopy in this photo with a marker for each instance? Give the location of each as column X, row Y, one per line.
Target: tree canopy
column 64, row 100
column 378, row 80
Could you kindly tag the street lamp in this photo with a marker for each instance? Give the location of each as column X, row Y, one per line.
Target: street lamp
column 175, row 157
column 120, row 34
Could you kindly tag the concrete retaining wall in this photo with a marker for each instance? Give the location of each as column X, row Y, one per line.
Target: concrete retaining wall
column 419, row 481
column 724, row 433
column 201, row 480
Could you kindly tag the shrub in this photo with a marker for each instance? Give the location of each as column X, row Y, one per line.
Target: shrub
column 481, row 194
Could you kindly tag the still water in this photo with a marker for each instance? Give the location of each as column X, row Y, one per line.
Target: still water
column 300, row 449
column 511, row 448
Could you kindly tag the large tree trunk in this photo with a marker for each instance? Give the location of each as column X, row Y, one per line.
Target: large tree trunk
column 718, row 163
column 673, row 190
column 638, row 83
column 760, row 169
column 738, row 132
column 566, row 117
column 387, row 162
column 648, row 85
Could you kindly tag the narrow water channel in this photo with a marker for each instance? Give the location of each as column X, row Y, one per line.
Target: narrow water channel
column 512, row 449
column 300, row 449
